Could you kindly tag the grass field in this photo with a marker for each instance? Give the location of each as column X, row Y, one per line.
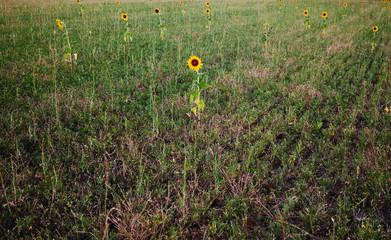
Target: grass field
column 294, row 140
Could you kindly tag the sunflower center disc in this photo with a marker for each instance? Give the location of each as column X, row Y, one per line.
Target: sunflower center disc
column 194, row 62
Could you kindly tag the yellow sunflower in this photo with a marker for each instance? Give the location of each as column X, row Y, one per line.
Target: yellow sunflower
column 157, row 10
column 181, row 2
column 207, row 4
column 324, row 14
column 207, row 11
column 362, row 4
column 58, row 21
column 345, row 4
column 305, row 13
column 117, row 2
column 124, row 16
column 375, row 28
column 194, row 63
column 78, row 2
column 280, row 0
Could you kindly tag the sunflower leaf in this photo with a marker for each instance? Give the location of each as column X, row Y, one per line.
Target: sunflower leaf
column 203, row 85
column 194, row 110
column 201, row 105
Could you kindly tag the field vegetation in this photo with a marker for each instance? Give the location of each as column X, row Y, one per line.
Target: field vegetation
column 102, row 135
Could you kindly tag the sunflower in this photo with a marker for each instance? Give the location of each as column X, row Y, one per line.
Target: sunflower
column 157, row 10
column 375, row 28
column 207, row 4
column 58, row 21
column 305, row 13
column 60, row 26
column 117, row 2
column 194, row 63
column 181, row 2
column 207, row 11
column 280, row 0
column 345, row 4
column 124, row 16
column 324, row 14
column 78, row 2
column 362, row 4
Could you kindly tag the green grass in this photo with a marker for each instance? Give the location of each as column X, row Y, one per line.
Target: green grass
column 294, row 141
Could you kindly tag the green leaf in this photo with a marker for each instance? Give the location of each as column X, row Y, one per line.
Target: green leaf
column 69, row 50
column 194, row 110
column 201, row 105
column 203, row 85
column 195, row 94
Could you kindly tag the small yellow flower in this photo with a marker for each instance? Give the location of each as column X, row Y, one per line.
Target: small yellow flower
column 207, row 11
column 58, row 21
column 362, row 4
column 386, row 109
column 157, row 11
column 194, row 63
column 324, row 14
column 181, row 2
column 124, row 16
column 207, row 4
column 375, row 28
column 345, row 4
column 305, row 13
column 78, row 2
column 60, row 26
column 117, row 2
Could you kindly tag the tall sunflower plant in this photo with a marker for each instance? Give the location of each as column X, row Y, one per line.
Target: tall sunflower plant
column 81, row 7
column 196, row 103
column 323, row 25
column 208, row 17
column 67, row 45
column 266, row 34
column 127, row 30
column 307, row 22
column 161, row 23
column 373, row 42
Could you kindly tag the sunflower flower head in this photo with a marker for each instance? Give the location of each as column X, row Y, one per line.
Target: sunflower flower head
column 375, row 28
column 157, row 11
column 305, row 13
column 124, row 16
column 362, row 4
column 207, row 11
column 324, row 14
column 207, row 4
column 194, row 63
column 345, row 4
column 78, row 2
column 181, row 2
column 117, row 2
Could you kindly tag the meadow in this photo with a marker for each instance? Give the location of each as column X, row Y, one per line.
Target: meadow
column 103, row 134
